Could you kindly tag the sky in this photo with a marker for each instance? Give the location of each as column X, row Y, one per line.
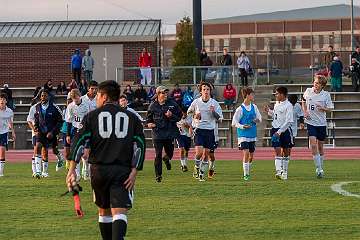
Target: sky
column 169, row 11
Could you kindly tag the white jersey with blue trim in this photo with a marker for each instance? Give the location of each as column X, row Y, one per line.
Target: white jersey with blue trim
column 31, row 117
column 6, row 117
column 283, row 116
column 313, row 100
column 207, row 120
column 91, row 102
column 184, row 130
column 75, row 113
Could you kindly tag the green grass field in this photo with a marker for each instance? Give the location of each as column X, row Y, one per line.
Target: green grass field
column 181, row 208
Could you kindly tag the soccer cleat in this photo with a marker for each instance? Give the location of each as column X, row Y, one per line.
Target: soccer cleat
column 284, row 176
column 201, row 177
column 320, row 174
column 184, row 168
column 38, row 175
column 211, row 173
column 246, row 177
column 59, row 165
column 158, row 179
column 196, row 172
column 278, row 175
column 44, row 175
column 167, row 162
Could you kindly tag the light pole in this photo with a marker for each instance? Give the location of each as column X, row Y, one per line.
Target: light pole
column 352, row 25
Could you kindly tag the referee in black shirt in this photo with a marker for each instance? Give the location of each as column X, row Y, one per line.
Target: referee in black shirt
column 113, row 135
column 162, row 116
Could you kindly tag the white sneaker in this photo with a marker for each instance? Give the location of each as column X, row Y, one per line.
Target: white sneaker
column 319, row 173
column 201, row 177
column 1, row 174
column 85, row 172
column 284, row 176
column 44, row 174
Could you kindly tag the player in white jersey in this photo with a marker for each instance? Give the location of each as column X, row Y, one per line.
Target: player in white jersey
column 246, row 117
column 205, row 112
column 90, row 96
column 75, row 112
column 123, row 102
column 316, row 102
column 298, row 115
column 184, row 139
column 281, row 135
column 6, row 123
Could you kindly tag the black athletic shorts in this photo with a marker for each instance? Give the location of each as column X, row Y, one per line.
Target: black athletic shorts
column 107, row 182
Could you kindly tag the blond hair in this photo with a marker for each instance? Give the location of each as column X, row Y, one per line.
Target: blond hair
column 322, row 79
column 75, row 92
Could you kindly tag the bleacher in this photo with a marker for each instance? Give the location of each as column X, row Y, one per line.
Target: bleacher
column 344, row 121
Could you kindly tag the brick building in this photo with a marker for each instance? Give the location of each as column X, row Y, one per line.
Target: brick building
column 33, row 52
column 298, row 37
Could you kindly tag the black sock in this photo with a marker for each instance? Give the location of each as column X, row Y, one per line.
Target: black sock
column 119, row 229
column 105, row 230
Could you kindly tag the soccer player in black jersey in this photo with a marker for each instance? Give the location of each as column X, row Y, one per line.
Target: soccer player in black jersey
column 115, row 137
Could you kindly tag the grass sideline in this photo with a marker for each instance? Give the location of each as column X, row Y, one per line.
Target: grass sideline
column 182, row 208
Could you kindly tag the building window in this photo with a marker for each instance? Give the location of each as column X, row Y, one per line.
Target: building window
column 226, row 43
column 216, row 45
column 207, row 44
column 242, row 43
column 212, row 45
column 253, row 43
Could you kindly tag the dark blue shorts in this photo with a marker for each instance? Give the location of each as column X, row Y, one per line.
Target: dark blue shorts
column 212, row 150
column 184, row 142
column 286, row 139
column 45, row 142
column 64, row 139
column 317, row 131
column 247, row 145
column 204, row 138
column 4, row 140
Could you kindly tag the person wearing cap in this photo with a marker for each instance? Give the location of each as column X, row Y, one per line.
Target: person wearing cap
column 162, row 116
column 47, row 123
column 336, row 69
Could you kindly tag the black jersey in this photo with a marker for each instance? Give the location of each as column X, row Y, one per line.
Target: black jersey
column 110, row 132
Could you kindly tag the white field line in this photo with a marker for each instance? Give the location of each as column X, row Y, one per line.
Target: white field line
column 337, row 187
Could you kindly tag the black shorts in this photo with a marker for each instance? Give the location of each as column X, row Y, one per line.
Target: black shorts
column 317, row 131
column 286, row 139
column 184, row 142
column 204, row 138
column 212, row 150
column 45, row 142
column 107, row 182
column 247, row 145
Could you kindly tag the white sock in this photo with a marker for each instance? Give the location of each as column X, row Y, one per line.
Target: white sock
column 60, row 157
column 77, row 170
column 321, row 157
column 278, row 165
column 182, row 160
column 45, row 166
column 246, row 168
column 203, row 166
column 33, row 165
column 38, row 164
column 286, row 164
column 317, row 162
column 185, row 161
column 2, row 165
column 211, row 165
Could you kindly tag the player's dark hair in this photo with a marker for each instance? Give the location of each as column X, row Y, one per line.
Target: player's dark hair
column 282, row 90
column 93, row 84
column 123, row 96
column 111, row 89
column 246, row 91
column 4, row 95
column 293, row 99
column 205, row 84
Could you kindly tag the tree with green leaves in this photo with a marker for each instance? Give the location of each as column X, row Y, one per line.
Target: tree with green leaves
column 184, row 53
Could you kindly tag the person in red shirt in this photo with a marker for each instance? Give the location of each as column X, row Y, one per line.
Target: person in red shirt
column 145, row 67
column 229, row 95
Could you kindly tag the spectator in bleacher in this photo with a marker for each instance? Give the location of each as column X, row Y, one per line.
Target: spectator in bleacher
column 226, row 63
column 243, row 63
column 204, row 61
column 140, row 96
column 355, row 74
column 9, row 101
column 145, row 67
column 329, row 56
column 336, row 69
column 176, row 94
column 229, row 95
column 151, row 94
column 72, row 85
column 88, row 65
column 83, row 87
column 129, row 94
column 48, row 86
column 76, row 61
column 62, row 89
column 356, row 54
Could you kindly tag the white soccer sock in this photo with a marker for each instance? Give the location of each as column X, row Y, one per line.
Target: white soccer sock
column 185, row 161
column 203, row 166
column 317, row 162
column 278, row 164
column 2, row 165
column 246, row 168
column 182, row 160
column 33, row 165
column 45, row 166
column 286, row 164
column 38, row 164
column 211, row 165
column 321, row 157
column 77, row 170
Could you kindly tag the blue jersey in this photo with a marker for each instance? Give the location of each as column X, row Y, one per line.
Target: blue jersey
column 247, row 118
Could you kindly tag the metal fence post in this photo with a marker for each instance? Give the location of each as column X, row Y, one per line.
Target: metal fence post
column 156, row 76
column 194, row 75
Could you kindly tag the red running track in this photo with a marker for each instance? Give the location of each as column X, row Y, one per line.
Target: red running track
column 262, row 153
